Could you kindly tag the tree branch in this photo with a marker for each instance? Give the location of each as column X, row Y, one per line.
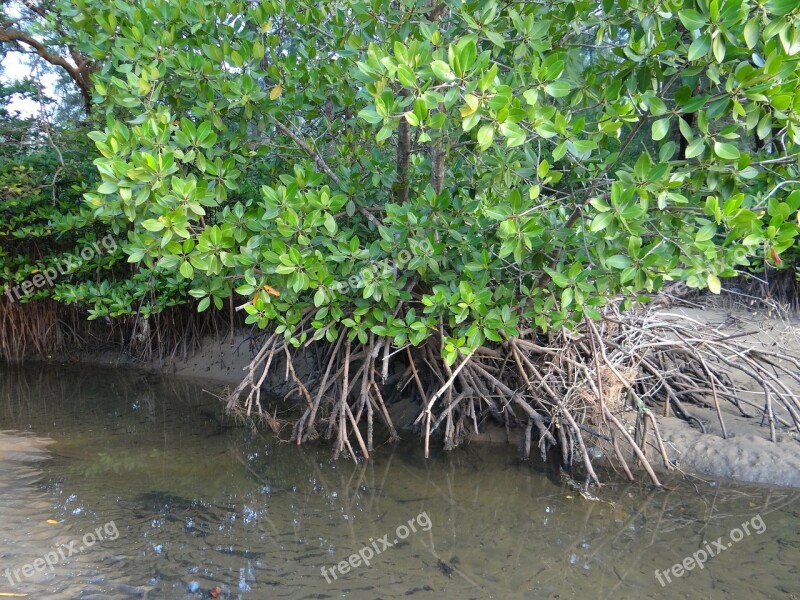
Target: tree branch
column 403, row 157
column 437, row 165
column 77, row 73
column 321, row 163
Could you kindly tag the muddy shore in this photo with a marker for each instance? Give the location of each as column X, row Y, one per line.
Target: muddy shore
column 746, row 454
column 743, row 451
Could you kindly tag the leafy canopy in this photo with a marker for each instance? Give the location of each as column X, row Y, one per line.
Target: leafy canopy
column 470, row 169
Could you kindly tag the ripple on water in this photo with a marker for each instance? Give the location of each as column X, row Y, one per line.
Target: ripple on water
column 199, row 504
column 25, row 508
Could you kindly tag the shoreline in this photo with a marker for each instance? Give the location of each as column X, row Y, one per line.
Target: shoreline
column 746, row 456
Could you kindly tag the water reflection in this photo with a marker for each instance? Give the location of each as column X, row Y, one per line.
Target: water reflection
column 199, row 503
column 24, row 508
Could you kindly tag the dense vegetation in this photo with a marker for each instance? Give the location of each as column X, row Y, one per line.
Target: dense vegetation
column 406, row 181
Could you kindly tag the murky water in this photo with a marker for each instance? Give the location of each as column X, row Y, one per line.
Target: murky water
column 146, row 491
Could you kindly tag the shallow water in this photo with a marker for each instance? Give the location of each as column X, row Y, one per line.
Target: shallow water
column 150, row 491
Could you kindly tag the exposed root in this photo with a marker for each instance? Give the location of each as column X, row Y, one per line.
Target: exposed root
column 591, row 391
column 31, row 328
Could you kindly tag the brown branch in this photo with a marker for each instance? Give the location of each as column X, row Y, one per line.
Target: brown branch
column 77, row 73
column 577, row 210
column 437, row 167
column 403, row 155
column 321, row 163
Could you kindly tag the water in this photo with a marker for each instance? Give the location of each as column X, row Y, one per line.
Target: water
column 148, row 492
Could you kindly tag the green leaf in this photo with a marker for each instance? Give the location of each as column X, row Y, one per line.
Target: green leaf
column 634, row 245
column 384, row 133
column 657, row 106
column 514, row 134
column 628, row 274
column 699, row 47
column 558, row 89
column 660, row 129
column 686, row 129
column 495, row 38
column 471, row 121
column 726, row 151
column 696, row 148
column 559, row 279
column 718, row 46
column 108, row 187
column 531, row 96
column 369, row 115
column 584, row 146
column 666, row 151
column 442, row 70
column 258, row 50
column 692, row 19
column 97, row 136
column 566, row 297
column 706, row 232
column 186, row 270
column 284, row 269
column 619, row 261
column 752, row 33
column 543, row 169
column 485, row 136
column 406, row 76
column 412, row 119
column 780, row 8
column 153, row 225
column 601, row 221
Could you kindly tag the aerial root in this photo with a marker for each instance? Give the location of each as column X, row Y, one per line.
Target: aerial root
column 592, row 391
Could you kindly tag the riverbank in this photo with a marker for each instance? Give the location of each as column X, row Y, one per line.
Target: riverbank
column 742, row 452
column 737, row 443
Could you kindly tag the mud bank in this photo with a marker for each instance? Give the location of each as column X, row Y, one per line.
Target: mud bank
column 743, row 452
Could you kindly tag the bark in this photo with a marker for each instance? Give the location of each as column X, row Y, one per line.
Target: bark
column 403, row 156
column 437, row 166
